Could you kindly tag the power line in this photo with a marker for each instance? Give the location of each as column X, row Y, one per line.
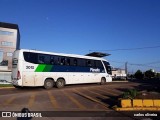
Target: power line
column 134, row 64
column 153, row 62
column 116, row 61
column 143, row 65
column 125, row 49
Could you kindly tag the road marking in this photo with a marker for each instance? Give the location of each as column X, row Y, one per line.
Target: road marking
column 91, row 98
column 96, row 93
column 113, row 91
column 104, row 91
column 74, row 100
column 31, row 100
column 9, row 101
column 53, row 100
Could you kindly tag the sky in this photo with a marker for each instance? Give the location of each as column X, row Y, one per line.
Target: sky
column 83, row 26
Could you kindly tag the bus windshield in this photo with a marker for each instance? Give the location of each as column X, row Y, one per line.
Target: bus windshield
column 108, row 67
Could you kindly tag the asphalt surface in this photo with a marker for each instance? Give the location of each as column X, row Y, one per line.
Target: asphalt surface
column 87, row 100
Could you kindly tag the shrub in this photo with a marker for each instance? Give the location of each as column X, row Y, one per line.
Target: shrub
column 130, row 94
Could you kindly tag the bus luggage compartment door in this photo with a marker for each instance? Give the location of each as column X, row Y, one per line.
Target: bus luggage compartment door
column 28, row 78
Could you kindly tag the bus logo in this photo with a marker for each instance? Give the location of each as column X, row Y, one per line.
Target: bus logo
column 94, row 70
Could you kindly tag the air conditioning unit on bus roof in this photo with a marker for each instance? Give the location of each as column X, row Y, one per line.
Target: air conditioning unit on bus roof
column 97, row 54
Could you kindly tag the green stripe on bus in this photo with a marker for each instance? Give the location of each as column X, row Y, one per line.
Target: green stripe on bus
column 40, row 68
column 47, row 68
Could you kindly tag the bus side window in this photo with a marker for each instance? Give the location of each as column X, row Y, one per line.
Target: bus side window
column 88, row 63
column 75, row 62
column 33, row 58
column 59, row 61
column 92, row 63
column 62, row 62
column 99, row 65
column 81, row 62
column 67, row 61
column 95, row 63
column 56, row 60
column 52, row 61
column 43, row 59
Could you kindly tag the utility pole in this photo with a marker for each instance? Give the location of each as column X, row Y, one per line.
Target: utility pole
column 126, row 70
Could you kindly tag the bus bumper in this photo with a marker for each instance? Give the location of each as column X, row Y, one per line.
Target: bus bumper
column 17, row 82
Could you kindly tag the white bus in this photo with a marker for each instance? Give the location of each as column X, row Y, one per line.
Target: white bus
column 38, row 68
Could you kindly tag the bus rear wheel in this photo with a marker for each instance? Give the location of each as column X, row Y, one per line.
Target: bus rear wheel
column 60, row 83
column 103, row 81
column 48, row 84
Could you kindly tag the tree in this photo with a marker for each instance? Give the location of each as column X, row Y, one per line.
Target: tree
column 149, row 74
column 139, row 74
column 158, row 75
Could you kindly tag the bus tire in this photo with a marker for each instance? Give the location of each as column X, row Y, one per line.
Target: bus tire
column 18, row 87
column 48, row 84
column 60, row 83
column 103, row 81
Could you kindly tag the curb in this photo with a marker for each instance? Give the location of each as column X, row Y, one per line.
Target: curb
column 6, row 87
column 139, row 104
column 138, row 109
column 120, row 81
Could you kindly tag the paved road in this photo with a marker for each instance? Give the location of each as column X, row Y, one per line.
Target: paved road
column 88, row 97
column 73, row 97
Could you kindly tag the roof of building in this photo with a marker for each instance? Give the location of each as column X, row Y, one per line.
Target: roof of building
column 115, row 69
column 8, row 25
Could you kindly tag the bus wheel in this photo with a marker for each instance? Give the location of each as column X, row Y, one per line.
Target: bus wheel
column 103, row 81
column 60, row 83
column 48, row 84
column 18, row 87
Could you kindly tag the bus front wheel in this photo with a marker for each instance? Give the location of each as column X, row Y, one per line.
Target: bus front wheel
column 60, row 83
column 48, row 84
column 103, row 81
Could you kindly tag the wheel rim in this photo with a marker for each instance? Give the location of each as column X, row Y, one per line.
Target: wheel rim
column 60, row 83
column 49, row 84
column 103, row 81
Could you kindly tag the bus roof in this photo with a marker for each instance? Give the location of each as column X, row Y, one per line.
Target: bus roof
column 63, row 54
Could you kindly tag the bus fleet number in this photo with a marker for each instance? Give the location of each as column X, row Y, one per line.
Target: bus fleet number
column 29, row 67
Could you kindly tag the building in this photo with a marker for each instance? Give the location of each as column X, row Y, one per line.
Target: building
column 9, row 42
column 118, row 73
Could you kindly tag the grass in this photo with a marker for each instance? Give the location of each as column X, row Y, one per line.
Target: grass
column 130, row 94
column 6, row 85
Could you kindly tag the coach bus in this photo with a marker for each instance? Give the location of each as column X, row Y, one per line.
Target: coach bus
column 38, row 68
